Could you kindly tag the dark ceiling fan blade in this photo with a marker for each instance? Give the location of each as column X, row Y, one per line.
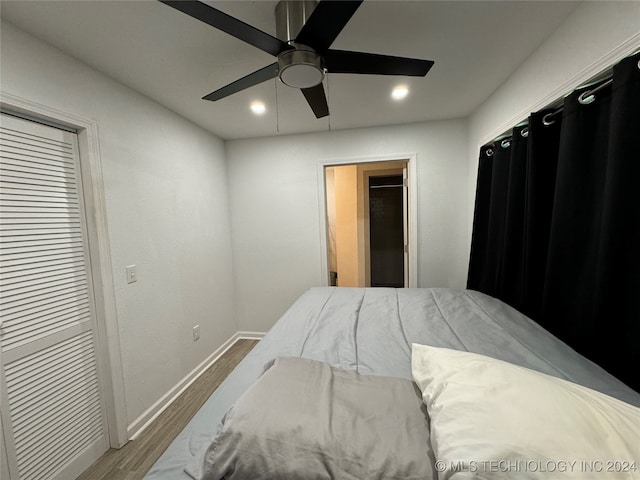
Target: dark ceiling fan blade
column 230, row 25
column 317, row 100
column 259, row 76
column 326, row 22
column 341, row 61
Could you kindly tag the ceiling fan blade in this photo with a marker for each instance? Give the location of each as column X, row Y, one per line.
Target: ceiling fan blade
column 341, row 61
column 230, row 25
column 317, row 100
column 259, row 76
column 326, row 22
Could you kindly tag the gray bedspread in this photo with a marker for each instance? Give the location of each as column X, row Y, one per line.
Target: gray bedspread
column 371, row 331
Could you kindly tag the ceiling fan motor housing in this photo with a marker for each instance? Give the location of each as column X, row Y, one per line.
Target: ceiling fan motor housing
column 302, row 67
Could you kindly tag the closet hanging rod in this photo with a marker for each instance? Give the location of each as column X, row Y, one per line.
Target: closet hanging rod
column 385, row 186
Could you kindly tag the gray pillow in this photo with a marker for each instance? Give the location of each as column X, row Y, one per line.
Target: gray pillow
column 304, row 419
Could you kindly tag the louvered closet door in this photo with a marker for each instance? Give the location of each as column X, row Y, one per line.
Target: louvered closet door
column 52, row 410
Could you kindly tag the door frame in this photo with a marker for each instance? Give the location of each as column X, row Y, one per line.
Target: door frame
column 108, row 357
column 410, row 158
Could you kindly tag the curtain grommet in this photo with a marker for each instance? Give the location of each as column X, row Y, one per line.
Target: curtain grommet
column 548, row 119
column 586, row 98
column 524, row 132
column 506, row 143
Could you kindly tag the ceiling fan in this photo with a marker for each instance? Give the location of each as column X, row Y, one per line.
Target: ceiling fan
column 305, row 30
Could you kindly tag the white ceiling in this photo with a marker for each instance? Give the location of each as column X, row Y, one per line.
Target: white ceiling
column 175, row 59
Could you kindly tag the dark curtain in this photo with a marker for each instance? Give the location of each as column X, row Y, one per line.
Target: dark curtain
column 543, row 146
column 478, row 263
column 556, row 229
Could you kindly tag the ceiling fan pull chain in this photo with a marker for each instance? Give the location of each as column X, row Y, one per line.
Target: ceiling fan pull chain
column 275, row 84
column 326, row 75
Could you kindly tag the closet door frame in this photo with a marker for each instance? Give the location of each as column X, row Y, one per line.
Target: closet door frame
column 107, row 337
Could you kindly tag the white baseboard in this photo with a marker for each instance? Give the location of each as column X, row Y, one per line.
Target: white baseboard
column 140, row 423
column 249, row 335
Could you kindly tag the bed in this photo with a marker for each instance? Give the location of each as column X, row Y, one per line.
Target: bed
column 371, row 332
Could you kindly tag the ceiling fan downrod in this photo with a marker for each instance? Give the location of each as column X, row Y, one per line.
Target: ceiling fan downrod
column 291, row 15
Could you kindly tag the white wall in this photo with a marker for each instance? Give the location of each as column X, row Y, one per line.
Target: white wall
column 273, row 186
column 595, row 36
column 167, row 211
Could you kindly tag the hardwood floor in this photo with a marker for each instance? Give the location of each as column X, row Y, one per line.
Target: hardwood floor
column 134, row 460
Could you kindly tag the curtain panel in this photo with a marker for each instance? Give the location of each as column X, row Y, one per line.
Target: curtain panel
column 556, row 231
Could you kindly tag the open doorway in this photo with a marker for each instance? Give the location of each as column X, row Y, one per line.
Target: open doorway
column 367, row 219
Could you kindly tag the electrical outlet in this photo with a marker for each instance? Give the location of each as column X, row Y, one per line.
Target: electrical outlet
column 196, row 333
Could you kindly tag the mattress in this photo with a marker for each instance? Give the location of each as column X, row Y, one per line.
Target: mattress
column 371, row 330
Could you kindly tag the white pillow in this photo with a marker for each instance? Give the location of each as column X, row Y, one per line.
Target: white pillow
column 491, row 419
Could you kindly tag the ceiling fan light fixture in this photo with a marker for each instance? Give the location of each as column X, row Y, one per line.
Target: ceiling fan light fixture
column 300, row 68
column 400, row 92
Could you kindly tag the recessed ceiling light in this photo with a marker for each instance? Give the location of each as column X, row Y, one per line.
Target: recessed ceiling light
column 399, row 92
column 258, row 108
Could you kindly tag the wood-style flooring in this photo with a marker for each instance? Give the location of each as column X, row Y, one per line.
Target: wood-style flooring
column 134, row 460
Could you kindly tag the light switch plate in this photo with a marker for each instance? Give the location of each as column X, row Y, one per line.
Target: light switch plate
column 132, row 274
column 196, row 333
